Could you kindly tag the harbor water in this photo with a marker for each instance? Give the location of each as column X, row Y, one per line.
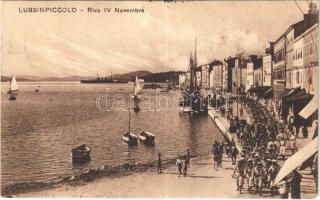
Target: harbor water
column 39, row 129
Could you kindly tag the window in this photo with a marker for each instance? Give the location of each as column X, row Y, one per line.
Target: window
column 297, row 77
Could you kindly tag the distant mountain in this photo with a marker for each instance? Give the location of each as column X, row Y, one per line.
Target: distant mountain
column 130, row 76
column 19, row 79
column 172, row 76
column 68, row 78
column 31, row 78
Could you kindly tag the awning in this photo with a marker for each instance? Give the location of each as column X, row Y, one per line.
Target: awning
column 296, row 160
column 261, row 90
column 251, row 89
column 310, row 108
column 284, row 93
column 290, row 92
column 296, row 94
column 308, row 162
column 268, row 91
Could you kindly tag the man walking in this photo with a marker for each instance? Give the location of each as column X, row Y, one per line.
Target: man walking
column 233, row 152
column 179, row 165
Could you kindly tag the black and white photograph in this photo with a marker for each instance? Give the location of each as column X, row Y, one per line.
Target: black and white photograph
column 159, row 99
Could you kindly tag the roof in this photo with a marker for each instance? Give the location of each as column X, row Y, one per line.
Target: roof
column 307, row 31
column 300, row 27
column 215, row 62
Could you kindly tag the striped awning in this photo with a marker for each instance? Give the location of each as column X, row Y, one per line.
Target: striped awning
column 310, row 108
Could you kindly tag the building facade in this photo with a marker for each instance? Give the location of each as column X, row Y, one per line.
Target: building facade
column 216, row 75
column 224, row 77
column 205, row 78
column 250, row 76
column 289, row 56
column 310, row 61
column 279, row 67
column 297, row 68
column 258, row 76
column 230, row 65
column 267, row 70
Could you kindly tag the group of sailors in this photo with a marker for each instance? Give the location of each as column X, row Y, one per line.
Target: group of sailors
column 263, row 142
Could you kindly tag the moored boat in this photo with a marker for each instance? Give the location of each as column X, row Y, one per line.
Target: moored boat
column 136, row 108
column 147, row 138
column 81, row 154
column 130, row 138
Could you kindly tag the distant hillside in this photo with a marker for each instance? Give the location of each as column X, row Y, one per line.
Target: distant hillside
column 130, row 76
column 8, row 79
column 68, row 78
column 171, row 76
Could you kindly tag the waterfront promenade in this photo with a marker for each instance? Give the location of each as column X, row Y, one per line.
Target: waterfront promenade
column 202, row 180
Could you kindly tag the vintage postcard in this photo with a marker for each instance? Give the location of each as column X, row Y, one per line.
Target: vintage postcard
column 159, row 99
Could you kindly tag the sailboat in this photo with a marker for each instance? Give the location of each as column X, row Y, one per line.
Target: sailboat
column 14, row 89
column 128, row 137
column 136, row 99
column 136, row 88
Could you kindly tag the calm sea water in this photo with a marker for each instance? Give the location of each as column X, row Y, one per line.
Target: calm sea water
column 38, row 130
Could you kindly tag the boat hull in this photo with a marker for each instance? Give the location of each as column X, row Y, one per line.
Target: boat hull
column 12, row 98
column 136, row 108
column 130, row 139
column 147, row 138
column 81, row 160
column 81, row 154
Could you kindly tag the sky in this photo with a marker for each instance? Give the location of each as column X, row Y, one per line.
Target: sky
column 160, row 39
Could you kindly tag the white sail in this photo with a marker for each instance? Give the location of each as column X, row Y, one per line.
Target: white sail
column 137, row 87
column 13, row 85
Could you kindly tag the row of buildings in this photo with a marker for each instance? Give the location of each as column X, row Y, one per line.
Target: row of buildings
column 287, row 73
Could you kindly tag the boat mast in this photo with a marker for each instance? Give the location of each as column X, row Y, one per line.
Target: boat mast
column 129, row 114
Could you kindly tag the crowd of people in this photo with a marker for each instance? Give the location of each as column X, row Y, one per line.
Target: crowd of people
column 264, row 142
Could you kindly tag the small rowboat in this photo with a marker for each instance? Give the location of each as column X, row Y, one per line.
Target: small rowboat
column 147, row 138
column 81, row 154
column 130, row 138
